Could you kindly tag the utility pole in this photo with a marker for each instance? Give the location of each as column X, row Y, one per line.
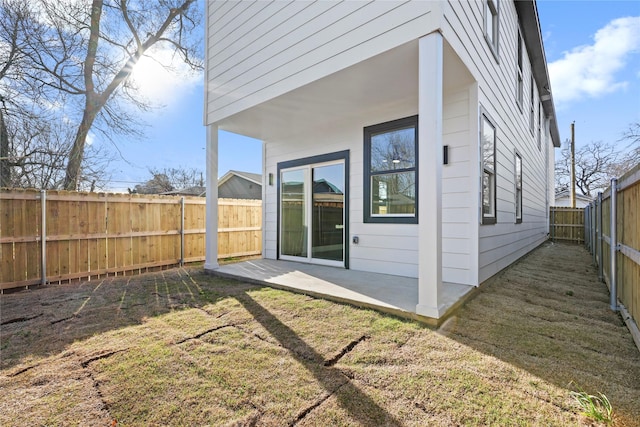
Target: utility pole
column 573, row 165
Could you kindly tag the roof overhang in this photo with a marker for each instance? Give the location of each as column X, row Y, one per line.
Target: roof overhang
column 530, row 25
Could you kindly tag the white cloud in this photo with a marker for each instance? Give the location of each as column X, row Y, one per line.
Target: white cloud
column 590, row 70
column 163, row 78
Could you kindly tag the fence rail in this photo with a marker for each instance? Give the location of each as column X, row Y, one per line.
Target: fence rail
column 57, row 235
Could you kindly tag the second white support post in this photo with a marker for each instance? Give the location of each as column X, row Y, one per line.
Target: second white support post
column 430, row 71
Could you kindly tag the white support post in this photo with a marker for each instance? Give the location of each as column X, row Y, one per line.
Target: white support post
column 430, row 71
column 211, row 261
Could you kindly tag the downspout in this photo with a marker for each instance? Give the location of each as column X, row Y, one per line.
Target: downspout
column 613, row 247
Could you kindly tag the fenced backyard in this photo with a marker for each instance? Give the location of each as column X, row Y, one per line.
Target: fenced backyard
column 181, row 347
column 612, row 235
column 58, row 236
column 609, row 227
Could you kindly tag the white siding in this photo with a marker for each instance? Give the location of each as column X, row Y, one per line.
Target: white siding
column 259, row 50
column 459, row 198
column 382, row 248
column 506, row 241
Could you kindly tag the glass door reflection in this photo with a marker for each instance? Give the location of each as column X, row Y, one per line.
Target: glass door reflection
column 327, row 239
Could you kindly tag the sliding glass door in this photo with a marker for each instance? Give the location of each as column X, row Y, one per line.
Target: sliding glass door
column 312, row 214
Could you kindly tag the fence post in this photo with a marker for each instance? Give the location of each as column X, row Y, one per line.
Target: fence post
column 587, row 226
column 553, row 223
column 182, row 231
column 599, row 239
column 594, row 236
column 613, row 246
column 43, row 237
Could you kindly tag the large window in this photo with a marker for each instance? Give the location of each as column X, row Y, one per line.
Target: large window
column 390, row 171
column 491, row 24
column 488, row 142
column 518, row 180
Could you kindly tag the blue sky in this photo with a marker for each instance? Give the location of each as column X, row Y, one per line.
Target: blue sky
column 593, row 54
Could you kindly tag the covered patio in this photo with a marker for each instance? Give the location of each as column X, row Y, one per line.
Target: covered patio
column 395, row 295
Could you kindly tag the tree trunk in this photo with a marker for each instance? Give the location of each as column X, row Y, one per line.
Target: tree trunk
column 5, row 166
column 76, row 156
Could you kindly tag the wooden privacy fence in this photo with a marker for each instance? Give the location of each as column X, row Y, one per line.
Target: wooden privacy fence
column 57, row 235
column 612, row 231
column 566, row 224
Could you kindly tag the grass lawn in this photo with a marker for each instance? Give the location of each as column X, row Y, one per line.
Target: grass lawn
column 180, row 347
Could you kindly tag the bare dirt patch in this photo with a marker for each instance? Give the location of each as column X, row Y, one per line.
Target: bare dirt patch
column 180, row 347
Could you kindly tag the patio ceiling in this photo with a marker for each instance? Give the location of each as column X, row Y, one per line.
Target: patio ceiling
column 378, row 83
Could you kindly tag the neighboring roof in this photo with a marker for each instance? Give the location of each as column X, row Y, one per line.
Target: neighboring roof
column 196, row 190
column 530, row 23
column 256, row 178
column 566, row 193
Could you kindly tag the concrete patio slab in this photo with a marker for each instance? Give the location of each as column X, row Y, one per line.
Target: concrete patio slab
column 390, row 294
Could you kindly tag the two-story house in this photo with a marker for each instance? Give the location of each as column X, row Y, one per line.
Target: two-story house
column 410, row 138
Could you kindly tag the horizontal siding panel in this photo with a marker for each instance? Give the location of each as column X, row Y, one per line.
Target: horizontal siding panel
column 384, row 267
column 296, row 60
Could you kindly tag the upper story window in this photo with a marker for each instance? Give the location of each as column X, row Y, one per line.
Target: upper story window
column 391, row 172
column 532, row 109
column 518, row 179
column 488, row 147
column 491, row 24
column 520, row 77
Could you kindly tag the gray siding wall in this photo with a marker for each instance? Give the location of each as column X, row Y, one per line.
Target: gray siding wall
column 239, row 188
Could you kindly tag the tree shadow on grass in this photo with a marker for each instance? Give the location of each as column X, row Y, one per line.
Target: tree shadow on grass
column 43, row 321
column 358, row 404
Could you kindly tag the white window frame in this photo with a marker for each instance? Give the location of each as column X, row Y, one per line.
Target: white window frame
column 492, row 19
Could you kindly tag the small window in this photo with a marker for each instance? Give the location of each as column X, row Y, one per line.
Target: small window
column 491, row 24
column 518, row 180
column 488, row 136
column 520, row 80
column 390, row 171
column 532, row 109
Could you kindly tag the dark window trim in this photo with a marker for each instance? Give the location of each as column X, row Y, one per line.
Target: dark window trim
column 322, row 158
column 382, row 127
column 519, row 178
column 492, row 219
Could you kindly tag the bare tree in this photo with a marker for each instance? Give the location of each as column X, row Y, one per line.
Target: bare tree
column 596, row 164
column 39, row 150
column 85, row 53
column 159, row 183
column 169, row 179
column 14, row 15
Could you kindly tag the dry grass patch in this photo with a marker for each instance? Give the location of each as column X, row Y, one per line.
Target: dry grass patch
column 183, row 348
